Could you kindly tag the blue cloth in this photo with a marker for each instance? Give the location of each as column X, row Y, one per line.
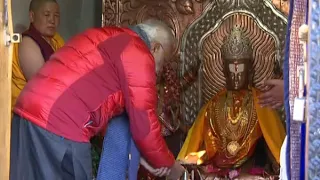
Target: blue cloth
column 286, row 80
column 117, row 145
column 303, row 151
column 134, row 162
column 303, row 126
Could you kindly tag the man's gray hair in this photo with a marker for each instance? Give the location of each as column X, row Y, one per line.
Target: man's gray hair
column 157, row 31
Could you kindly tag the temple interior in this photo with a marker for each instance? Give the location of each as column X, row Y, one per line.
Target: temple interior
column 208, row 94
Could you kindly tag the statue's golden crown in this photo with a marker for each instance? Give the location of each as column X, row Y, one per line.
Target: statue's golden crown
column 236, row 46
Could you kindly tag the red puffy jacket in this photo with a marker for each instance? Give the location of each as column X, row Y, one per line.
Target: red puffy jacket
column 90, row 80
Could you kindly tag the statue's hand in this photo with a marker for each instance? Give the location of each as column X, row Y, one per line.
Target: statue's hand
column 273, row 97
column 160, row 172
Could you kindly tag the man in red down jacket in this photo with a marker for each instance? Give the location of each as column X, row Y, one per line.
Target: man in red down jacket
column 97, row 75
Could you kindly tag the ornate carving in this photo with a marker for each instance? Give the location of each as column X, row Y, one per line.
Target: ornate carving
column 184, row 6
column 177, row 14
column 295, row 60
column 264, row 48
column 166, row 14
column 162, row 10
column 237, row 45
column 109, row 12
column 135, row 11
column 313, row 167
column 188, row 18
column 202, row 41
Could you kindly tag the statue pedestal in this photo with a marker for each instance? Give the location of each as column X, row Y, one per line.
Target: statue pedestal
column 197, row 172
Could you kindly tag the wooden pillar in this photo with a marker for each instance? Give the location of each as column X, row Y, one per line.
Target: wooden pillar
column 5, row 88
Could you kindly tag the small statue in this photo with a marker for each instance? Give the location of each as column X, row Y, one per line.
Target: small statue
column 232, row 123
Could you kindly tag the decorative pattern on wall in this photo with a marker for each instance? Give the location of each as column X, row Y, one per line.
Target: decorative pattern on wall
column 178, row 14
column 190, row 21
column 266, row 17
column 295, row 60
column 199, row 26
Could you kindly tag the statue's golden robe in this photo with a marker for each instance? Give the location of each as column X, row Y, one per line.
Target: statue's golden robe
column 204, row 136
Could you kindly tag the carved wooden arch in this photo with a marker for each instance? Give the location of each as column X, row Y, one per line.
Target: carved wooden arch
column 178, row 14
column 263, row 23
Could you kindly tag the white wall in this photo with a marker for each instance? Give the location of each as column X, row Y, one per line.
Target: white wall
column 76, row 15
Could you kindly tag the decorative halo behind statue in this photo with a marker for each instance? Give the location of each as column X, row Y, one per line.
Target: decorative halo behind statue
column 264, row 52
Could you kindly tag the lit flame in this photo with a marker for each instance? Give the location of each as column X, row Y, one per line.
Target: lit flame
column 194, row 158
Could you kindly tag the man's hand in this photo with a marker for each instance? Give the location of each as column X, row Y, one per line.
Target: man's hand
column 176, row 171
column 274, row 96
column 156, row 172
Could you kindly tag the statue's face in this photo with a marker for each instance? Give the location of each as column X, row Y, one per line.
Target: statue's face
column 237, row 74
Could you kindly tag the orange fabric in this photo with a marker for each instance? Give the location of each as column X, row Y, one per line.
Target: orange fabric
column 269, row 124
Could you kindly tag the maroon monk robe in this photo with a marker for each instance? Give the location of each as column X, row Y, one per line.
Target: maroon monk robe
column 45, row 47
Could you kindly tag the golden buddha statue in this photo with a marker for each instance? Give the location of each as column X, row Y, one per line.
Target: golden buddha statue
column 229, row 126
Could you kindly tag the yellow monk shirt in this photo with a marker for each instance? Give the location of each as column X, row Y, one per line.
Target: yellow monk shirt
column 18, row 79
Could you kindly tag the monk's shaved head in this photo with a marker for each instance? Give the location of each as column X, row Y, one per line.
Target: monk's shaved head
column 44, row 15
column 36, row 4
